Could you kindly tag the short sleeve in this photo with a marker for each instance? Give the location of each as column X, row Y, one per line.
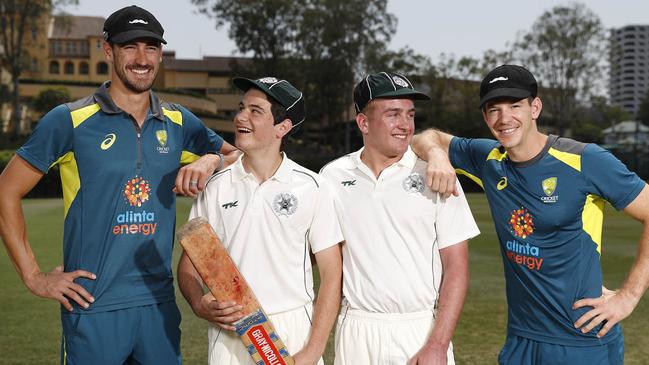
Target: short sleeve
column 470, row 155
column 609, row 177
column 325, row 228
column 454, row 222
column 198, row 139
column 200, row 208
column 52, row 138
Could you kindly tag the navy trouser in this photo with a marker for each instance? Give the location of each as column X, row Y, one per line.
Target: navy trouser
column 524, row 351
column 140, row 335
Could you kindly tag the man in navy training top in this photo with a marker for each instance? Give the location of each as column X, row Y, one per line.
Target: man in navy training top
column 119, row 152
column 547, row 197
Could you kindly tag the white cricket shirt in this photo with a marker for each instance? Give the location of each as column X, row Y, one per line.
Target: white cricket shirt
column 269, row 228
column 394, row 227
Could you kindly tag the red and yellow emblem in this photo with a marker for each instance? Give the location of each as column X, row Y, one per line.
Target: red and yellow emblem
column 521, row 223
column 136, row 191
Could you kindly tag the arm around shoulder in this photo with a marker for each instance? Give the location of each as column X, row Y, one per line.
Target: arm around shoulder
column 433, row 146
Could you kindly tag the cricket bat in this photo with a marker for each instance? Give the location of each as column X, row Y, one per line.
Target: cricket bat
column 225, row 282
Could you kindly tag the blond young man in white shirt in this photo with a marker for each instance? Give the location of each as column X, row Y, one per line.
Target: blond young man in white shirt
column 405, row 256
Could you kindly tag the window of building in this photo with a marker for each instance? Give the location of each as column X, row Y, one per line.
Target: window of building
column 70, row 48
column 83, row 47
column 34, row 65
column 98, row 44
column 83, row 68
column 68, row 68
column 58, row 48
column 54, row 67
column 102, row 68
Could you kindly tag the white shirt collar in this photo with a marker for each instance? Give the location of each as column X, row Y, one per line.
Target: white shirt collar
column 283, row 173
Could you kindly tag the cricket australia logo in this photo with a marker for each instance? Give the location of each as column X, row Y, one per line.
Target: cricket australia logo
column 413, row 183
column 549, row 185
column 161, row 136
column 285, row 204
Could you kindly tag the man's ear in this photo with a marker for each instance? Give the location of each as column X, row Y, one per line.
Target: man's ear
column 537, row 105
column 283, row 128
column 362, row 122
column 108, row 51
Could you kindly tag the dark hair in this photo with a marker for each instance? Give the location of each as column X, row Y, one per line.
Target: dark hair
column 279, row 115
column 278, row 111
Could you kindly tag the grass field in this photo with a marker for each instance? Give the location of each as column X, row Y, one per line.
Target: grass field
column 30, row 327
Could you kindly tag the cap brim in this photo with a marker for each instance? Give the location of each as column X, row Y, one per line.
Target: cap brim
column 245, row 84
column 505, row 93
column 130, row 35
column 403, row 93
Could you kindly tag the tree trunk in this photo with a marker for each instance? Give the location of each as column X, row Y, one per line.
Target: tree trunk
column 17, row 112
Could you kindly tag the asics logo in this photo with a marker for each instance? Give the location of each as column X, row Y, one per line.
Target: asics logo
column 138, row 21
column 502, row 183
column 108, row 141
column 499, row 79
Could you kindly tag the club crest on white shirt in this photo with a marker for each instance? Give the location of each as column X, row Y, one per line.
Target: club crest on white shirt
column 413, row 183
column 285, row 204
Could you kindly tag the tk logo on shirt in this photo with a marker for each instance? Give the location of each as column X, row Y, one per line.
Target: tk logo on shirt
column 348, row 183
column 230, row 205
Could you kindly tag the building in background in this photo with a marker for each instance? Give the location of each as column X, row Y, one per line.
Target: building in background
column 626, row 135
column 68, row 51
column 629, row 61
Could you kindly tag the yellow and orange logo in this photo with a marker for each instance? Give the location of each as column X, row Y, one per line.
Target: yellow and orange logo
column 521, row 223
column 136, row 191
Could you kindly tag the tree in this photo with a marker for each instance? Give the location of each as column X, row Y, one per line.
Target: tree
column 565, row 49
column 266, row 29
column 643, row 111
column 16, row 18
column 49, row 98
column 322, row 46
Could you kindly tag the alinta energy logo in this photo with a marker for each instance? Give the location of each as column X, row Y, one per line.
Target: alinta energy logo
column 136, row 193
column 521, row 224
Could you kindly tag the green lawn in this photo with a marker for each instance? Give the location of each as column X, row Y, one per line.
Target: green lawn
column 30, row 327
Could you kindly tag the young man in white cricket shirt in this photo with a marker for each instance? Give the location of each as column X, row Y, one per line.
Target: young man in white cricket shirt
column 270, row 213
column 405, row 256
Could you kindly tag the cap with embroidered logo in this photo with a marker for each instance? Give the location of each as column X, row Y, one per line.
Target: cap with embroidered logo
column 507, row 81
column 281, row 91
column 130, row 23
column 386, row 86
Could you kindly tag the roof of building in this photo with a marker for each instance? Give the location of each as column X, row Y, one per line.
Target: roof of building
column 76, row 27
column 207, row 64
column 628, row 126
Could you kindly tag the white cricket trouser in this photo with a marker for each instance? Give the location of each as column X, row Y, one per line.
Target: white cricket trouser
column 293, row 327
column 382, row 338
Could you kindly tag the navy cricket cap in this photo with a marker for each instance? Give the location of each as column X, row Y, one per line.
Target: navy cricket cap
column 132, row 22
column 507, row 81
column 386, row 86
column 281, row 91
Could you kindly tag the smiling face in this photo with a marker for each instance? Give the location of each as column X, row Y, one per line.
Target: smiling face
column 513, row 122
column 135, row 64
column 387, row 126
column 255, row 128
